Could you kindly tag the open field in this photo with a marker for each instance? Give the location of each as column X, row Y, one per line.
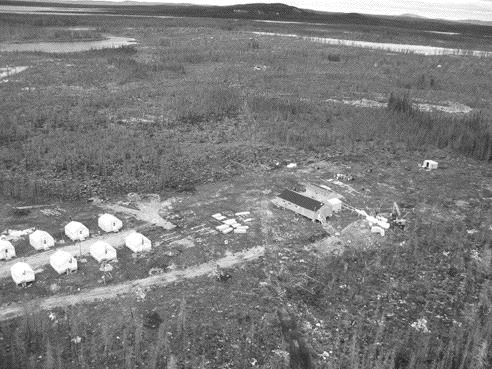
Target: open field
column 206, row 114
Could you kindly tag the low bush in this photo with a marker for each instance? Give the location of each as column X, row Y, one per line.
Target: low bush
column 470, row 134
column 210, row 103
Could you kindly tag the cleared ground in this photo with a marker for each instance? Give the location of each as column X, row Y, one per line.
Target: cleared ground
column 208, row 118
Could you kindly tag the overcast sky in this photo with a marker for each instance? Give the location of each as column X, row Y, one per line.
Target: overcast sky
column 446, row 9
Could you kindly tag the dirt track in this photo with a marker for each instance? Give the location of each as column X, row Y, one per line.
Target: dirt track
column 148, row 212
column 112, row 291
column 38, row 260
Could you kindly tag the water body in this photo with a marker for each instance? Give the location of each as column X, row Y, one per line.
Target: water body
column 68, row 47
column 447, row 107
column 37, row 9
column 14, row 9
column 400, row 48
column 444, row 33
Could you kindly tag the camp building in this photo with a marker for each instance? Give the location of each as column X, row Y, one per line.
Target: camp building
column 306, row 206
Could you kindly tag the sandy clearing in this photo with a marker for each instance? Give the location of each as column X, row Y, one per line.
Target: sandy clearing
column 148, row 212
column 108, row 292
column 10, row 71
column 116, row 240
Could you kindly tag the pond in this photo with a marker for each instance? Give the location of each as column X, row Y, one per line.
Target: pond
column 450, row 107
column 68, row 47
column 400, row 48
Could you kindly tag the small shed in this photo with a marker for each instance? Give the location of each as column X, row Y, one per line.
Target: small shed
column 76, row 231
column 7, row 250
column 137, row 242
column 102, row 251
column 430, row 164
column 306, row 206
column 109, row 223
column 22, row 273
column 41, row 240
column 63, row 262
column 334, row 204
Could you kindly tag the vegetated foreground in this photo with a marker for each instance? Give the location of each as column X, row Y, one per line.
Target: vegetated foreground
column 199, row 101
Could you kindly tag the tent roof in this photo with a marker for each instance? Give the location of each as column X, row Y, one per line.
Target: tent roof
column 301, row 200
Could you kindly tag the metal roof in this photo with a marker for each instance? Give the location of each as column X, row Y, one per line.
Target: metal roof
column 302, row 201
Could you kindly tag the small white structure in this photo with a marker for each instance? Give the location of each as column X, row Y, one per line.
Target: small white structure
column 137, row 242
column 76, row 231
column 335, row 204
column 102, row 251
column 430, row 164
column 7, row 250
column 22, row 273
column 63, row 262
column 41, row 240
column 377, row 229
column 109, row 223
column 378, row 220
column 219, row 216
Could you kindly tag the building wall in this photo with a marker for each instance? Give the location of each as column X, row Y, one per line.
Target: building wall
column 319, row 193
column 298, row 209
column 324, row 213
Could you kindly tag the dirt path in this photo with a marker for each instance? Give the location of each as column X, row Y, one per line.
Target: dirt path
column 36, row 261
column 112, row 291
column 148, row 212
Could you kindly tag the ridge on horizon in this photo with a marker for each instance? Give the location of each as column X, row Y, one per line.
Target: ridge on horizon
column 270, row 6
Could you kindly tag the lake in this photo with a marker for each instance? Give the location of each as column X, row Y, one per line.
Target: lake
column 400, row 48
column 68, row 47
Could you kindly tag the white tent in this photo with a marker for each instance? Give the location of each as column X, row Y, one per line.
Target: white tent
column 137, row 242
column 76, row 231
column 109, row 223
column 430, row 164
column 63, row 262
column 41, row 240
column 22, row 273
column 7, row 250
column 102, row 251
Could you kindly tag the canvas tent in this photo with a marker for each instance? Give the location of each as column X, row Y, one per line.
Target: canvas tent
column 109, row 223
column 22, row 273
column 63, row 262
column 430, row 164
column 102, row 251
column 137, row 242
column 7, row 250
column 76, row 231
column 41, row 240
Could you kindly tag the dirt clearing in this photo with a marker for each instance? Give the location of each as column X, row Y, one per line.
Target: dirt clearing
column 108, row 292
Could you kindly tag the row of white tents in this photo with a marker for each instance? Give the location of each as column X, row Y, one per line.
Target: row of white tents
column 76, row 231
column 62, row 261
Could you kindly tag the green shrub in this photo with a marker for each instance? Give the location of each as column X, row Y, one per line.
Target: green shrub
column 211, row 103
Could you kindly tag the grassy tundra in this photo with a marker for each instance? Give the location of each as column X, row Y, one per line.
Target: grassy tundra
column 198, row 87
column 199, row 101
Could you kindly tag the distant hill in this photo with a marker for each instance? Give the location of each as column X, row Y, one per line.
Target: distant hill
column 277, row 11
column 477, row 22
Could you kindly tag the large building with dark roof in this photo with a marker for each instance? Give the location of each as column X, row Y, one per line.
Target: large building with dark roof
column 303, row 205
